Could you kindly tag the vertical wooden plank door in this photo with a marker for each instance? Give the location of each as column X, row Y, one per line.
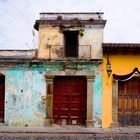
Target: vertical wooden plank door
column 69, row 100
column 2, row 97
column 129, row 102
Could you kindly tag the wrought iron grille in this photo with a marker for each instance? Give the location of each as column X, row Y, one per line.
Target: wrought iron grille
column 58, row 51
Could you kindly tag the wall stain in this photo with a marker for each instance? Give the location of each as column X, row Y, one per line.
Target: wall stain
column 26, row 86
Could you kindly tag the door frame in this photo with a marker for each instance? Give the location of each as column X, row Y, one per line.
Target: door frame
column 49, row 94
column 115, row 98
column 115, row 122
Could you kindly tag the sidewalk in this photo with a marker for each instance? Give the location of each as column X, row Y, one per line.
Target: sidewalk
column 69, row 133
column 69, row 129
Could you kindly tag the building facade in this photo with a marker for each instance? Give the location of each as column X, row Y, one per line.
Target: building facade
column 61, row 82
column 73, row 78
column 121, row 85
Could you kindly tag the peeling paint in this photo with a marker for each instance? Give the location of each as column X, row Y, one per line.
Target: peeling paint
column 90, row 44
column 25, row 82
column 21, row 106
column 97, row 103
column 25, row 87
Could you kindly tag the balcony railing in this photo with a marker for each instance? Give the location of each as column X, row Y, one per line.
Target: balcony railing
column 58, row 52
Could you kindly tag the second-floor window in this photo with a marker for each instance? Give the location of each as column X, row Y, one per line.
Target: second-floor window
column 71, row 43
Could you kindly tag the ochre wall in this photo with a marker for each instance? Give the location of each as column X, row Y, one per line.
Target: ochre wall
column 121, row 64
column 48, row 36
column 52, row 36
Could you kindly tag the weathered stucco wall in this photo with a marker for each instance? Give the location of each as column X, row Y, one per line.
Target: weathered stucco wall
column 51, row 42
column 25, row 85
column 93, row 36
column 97, row 103
column 121, row 65
column 17, row 54
column 24, row 89
column 49, row 37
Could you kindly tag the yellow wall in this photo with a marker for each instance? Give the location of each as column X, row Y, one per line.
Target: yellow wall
column 121, row 65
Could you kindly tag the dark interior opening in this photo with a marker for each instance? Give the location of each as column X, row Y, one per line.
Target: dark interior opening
column 2, row 80
column 71, row 43
column 2, row 97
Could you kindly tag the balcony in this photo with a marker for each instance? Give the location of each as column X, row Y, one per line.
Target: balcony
column 57, row 52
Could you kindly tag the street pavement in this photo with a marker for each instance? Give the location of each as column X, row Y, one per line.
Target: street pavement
column 68, row 133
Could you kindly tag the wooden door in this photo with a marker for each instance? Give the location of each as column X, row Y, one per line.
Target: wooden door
column 70, row 100
column 2, row 97
column 129, row 102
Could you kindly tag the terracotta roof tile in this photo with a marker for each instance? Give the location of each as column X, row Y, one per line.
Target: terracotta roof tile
column 121, row 47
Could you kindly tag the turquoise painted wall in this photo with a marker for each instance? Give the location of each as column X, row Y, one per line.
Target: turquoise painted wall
column 24, row 87
column 97, row 102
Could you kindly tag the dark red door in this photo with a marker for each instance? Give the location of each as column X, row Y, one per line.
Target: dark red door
column 129, row 102
column 2, row 96
column 69, row 100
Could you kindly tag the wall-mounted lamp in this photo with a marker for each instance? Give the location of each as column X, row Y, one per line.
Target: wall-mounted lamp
column 108, row 68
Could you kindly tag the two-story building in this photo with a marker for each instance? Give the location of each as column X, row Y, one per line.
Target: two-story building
column 73, row 78
column 61, row 82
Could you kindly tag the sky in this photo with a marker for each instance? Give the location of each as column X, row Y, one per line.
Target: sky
column 17, row 18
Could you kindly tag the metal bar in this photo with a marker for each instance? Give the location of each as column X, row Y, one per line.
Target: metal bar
column 58, row 50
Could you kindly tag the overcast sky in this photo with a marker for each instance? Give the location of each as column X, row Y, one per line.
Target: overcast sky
column 17, row 18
